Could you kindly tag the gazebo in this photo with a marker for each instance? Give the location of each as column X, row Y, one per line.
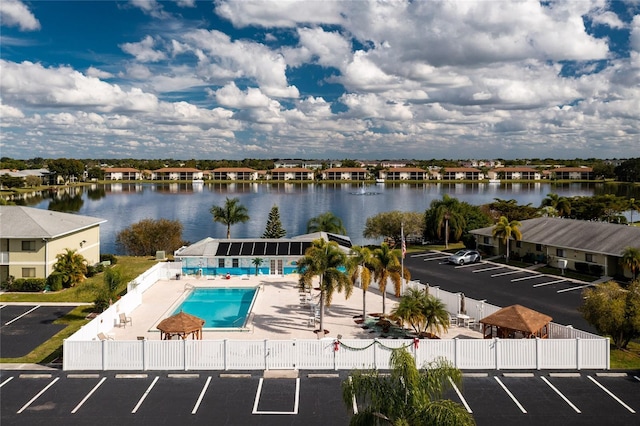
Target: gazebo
column 181, row 324
column 514, row 322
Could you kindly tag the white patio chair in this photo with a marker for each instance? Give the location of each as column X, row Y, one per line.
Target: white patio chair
column 124, row 319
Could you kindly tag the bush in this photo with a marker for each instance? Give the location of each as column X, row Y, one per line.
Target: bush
column 109, row 257
column 582, row 267
column 28, row 285
column 596, row 270
column 469, row 241
column 93, row 270
column 55, row 281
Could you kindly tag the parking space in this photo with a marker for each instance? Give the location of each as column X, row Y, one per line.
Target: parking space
column 23, row 328
column 494, row 398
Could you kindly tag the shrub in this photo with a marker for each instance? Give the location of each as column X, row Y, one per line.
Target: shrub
column 596, row 270
column 582, row 267
column 110, row 257
column 55, row 281
column 28, row 284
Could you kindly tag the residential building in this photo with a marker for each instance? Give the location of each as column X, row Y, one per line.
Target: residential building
column 121, row 173
column 574, row 244
column 291, row 173
column 404, row 173
column 234, row 173
column 31, row 238
column 461, row 173
column 177, row 173
column 346, row 173
column 572, row 173
column 514, row 173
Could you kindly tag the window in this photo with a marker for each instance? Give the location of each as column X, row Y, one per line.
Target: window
column 588, row 257
column 235, row 263
column 28, row 272
column 486, row 240
column 220, row 263
column 538, row 247
column 29, row 245
column 518, row 244
column 560, row 252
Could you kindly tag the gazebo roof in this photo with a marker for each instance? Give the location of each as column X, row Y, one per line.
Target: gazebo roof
column 517, row 317
column 180, row 323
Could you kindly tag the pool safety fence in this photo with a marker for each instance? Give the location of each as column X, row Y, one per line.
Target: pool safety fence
column 334, row 354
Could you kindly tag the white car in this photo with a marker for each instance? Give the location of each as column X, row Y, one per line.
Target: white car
column 464, row 256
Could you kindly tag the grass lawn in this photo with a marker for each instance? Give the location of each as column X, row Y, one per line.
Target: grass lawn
column 628, row 359
column 50, row 350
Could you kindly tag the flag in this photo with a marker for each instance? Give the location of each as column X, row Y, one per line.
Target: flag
column 404, row 244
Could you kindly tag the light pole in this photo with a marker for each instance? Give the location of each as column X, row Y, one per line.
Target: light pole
column 447, row 216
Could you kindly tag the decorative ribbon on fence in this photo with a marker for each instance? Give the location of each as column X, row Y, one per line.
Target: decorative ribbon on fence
column 375, row 341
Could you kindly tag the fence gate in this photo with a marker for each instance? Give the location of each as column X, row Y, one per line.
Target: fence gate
column 281, row 354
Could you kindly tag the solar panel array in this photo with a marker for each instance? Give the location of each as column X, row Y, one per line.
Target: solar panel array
column 262, row 248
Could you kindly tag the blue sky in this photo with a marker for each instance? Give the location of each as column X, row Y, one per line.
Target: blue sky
column 320, row 79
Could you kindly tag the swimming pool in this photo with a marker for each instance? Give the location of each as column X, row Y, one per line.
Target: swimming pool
column 226, row 308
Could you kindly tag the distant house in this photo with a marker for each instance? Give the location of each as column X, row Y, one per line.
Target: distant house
column 31, row 238
column 236, row 256
column 461, row 173
column 514, row 173
column 46, row 177
column 292, row 173
column 346, row 173
column 572, row 173
column 121, row 173
column 593, row 246
column 404, row 173
column 234, row 173
column 177, row 173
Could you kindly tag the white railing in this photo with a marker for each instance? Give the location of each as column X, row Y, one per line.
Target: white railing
column 330, row 354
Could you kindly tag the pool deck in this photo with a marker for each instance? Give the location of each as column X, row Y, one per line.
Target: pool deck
column 277, row 314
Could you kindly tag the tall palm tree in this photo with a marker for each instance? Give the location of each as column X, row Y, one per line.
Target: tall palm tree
column 631, row 259
column 326, row 260
column 444, row 219
column 408, row 396
column 504, row 230
column 387, row 266
column 561, row 204
column 423, row 312
column 72, row 265
column 360, row 269
column 326, row 222
column 231, row 213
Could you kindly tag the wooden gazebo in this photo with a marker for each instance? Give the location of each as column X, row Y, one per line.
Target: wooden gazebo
column 514, row 322
column 181, row 325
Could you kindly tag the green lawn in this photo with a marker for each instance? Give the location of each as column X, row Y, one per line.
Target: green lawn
column 628, row 359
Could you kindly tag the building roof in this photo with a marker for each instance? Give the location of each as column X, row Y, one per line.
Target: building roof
column 345, row 170
column 573, row 169
column 27, row 222
column 517, row 317
column 177, row 170
column 291, row 170
column 233, row 170
column 514, row 169
column 406, row 169
column 595, row 237
column 459, row 169
column 120, row 170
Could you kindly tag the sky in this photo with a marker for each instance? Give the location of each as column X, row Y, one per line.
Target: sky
column 357, row 79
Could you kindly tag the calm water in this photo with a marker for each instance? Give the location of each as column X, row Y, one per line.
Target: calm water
column 219, row 307
column 125, row 204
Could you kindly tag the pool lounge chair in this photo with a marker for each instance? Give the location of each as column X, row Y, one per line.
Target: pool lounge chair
column 124, row 319
column 102, row 336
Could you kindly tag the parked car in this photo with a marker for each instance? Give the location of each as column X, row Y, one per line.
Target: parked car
column 464, row 256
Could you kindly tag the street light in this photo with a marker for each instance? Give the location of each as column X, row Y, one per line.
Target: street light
column 447, row 216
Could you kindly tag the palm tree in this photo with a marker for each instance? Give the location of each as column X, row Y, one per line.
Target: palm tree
column 231, row 213
column 257, row 262
column 631, row 259
column 386, row 266
column 445, row 214
column 424, row 312
column 561, row 204
column 326, row 222
column 325, row 259
column 634, row 205
column 504, row 230
column 407, row 396
column 72, row 265
column 360, row 267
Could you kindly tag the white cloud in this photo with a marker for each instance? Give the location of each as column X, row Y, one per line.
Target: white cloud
column 7, row 111
column 285, row 13
column 14, row 13
column 634, row 39
column 143, row 51
column 98, row 73
column 231, row 96
column 608, row 18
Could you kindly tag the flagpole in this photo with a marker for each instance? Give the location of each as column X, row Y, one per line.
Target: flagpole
column 404, row 250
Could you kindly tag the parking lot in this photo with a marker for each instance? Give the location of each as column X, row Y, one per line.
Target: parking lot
column 502, row 285
column 494, row 398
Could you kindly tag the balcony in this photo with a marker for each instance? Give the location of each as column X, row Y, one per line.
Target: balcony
column 4, row 257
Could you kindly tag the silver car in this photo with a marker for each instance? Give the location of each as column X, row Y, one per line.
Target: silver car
column 464, row 256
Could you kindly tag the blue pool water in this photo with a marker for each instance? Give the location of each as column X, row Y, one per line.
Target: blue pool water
column 219, row 307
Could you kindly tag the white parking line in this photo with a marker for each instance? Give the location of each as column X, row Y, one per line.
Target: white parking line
column 20, row 316
column 635, row 377
column 144, row 396
column 295, row 403
column 493, row 268
column 548, row 283
column 506, row 273
column 580, row 287
column 530, row 277
column 466, row 265
column 511, row 395
column 435, row 258
column 611, row 394
column 11, row 378
column 561, row 395
column 422, row 255
column 95, row 388
column 204, row 389
column 24, row 407
column 464, row 401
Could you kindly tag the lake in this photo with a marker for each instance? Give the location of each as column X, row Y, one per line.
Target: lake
column 123, row 204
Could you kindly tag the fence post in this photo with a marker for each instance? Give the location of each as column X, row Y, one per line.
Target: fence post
column 104, row 355
column 538, row 350
column 184, row 354
column 578, row 354
column 225, row 355
column 456, row 352
column 497, row 346
column 375, row 352
column 266, row 354
column 144, row 355
column 608, row 351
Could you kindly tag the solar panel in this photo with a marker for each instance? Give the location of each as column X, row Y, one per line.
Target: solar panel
column 234, row 250
column 283, row 249
column 305, row 246
column 259, row 247
column 342, row 241
column 222, row 249
column 247, row 249
column 296, row 248
column 272, row 249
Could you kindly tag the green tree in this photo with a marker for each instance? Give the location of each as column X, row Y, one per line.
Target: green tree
column 389, row 224
column 360, row 272
column 257, row 262
column 424, row 312
column 325, row 260
column 32, row 181
column 66, row 168
column 631, row 260
column 443, row 220
column 326, row 222
column 231, row 213
column 510, row 208
column 628, row 171
column 73, row 266
column 274, row 227
column 112, row 280
column 561, row 204
column 407, row 396
column 634, row 206
column 387, row 267
column 613, row 311
column 146, row 237
column 504, row 230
